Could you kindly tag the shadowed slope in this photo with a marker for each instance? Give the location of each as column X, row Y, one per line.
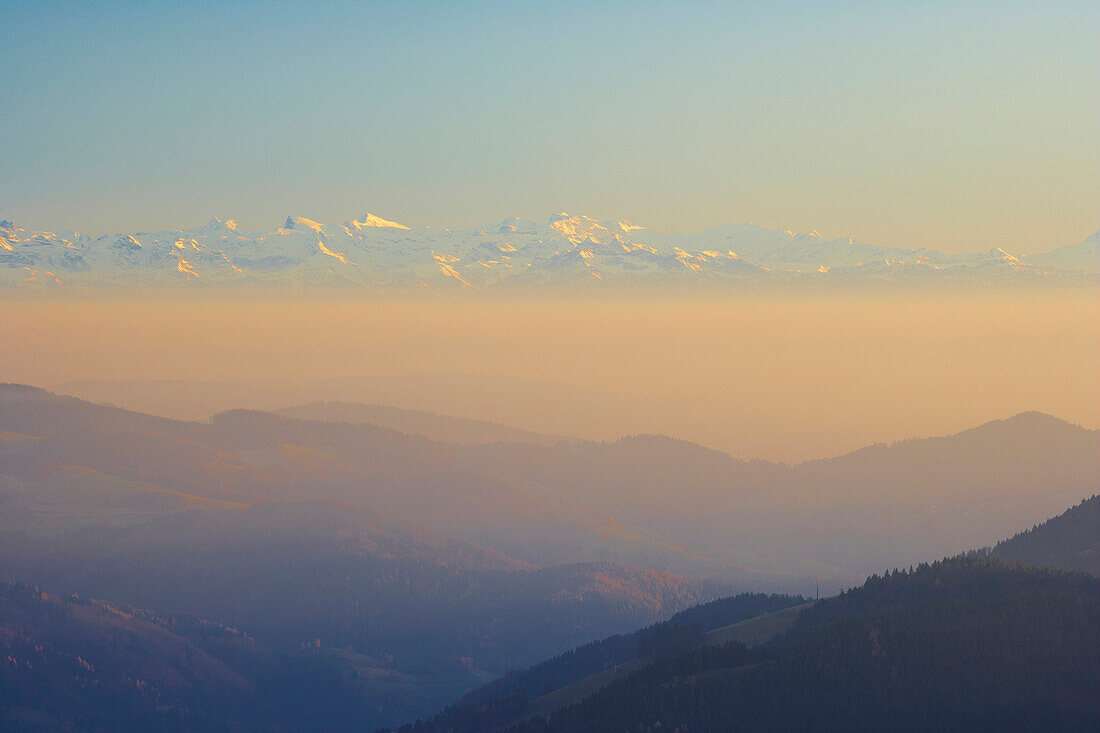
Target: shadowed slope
column 1070, row 541
column 962, row 644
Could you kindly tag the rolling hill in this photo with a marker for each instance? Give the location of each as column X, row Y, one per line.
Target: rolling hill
column 891, row 504
column 647, row 501
column 73, row 663
column 420, row 618
column 235, row 521
column 419, row 422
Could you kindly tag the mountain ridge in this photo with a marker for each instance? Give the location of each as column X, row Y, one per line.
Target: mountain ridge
column 569, row 251
column 1069, row 541
column 429, row 424
column 657, row 502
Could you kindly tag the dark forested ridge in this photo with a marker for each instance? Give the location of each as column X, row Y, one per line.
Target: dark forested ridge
column 730, row 610
column 961, row 644
column 1025, row 663
column 952, row 579
column 1070, row 541
column 599, row 655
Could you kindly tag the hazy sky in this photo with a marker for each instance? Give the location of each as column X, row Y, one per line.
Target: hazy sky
column 784, row 378
column 960, row 126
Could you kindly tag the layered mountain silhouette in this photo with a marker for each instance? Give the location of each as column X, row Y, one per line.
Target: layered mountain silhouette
column 645, row 501
column 365, row 576
column 165, row 515
column 418, row 422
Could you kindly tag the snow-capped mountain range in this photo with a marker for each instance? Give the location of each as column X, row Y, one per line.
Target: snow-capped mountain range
column 565, row 252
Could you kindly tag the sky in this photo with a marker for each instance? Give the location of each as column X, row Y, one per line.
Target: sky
column 960, row 126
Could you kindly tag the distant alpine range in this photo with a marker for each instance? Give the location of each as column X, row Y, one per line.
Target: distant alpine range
column 567, row 252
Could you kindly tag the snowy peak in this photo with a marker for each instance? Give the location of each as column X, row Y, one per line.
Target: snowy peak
column 568, row 250
column 302, row 224
column 517, row 225
column 126, row 242
column 370, row 220
column 216, row 226
column 579, row 229
column 585, row 231
column 1083, row 257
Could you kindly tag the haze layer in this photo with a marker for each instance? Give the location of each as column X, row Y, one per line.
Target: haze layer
column 777, row 378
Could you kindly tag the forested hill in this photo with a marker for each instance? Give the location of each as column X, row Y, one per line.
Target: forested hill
column 952, row 579
column 1070, row 541
column 961, row 644
column 598, row 655
column 991, row 664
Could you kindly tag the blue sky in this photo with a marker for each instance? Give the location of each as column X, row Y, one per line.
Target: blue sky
column 961, row 126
